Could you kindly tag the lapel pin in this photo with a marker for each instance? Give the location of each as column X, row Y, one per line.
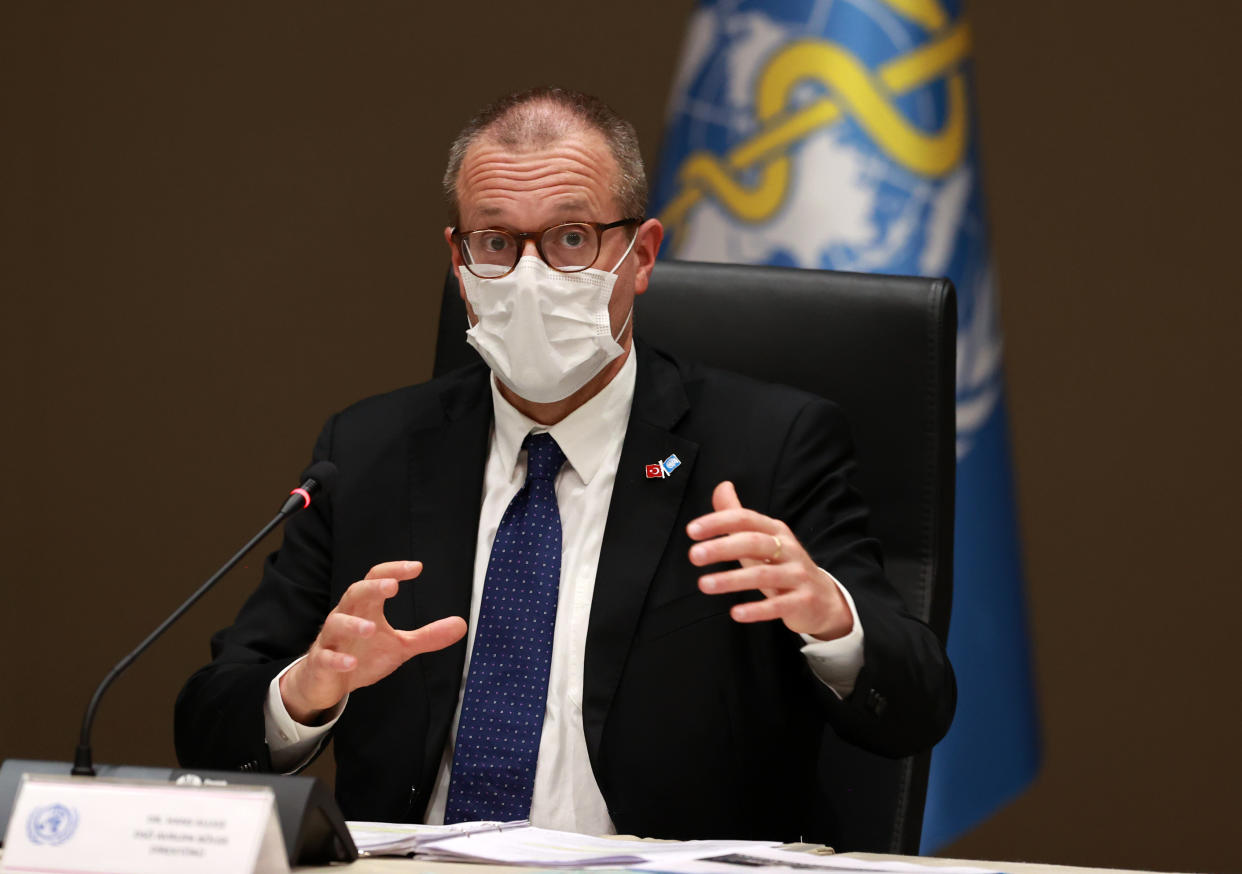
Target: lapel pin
column 662, row 469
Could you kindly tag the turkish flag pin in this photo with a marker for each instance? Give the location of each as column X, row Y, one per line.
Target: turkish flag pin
column 662, row 469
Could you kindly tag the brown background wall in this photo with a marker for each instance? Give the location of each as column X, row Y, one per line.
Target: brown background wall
column 221, row 223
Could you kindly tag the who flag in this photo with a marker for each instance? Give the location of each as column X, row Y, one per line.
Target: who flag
column 838, row 135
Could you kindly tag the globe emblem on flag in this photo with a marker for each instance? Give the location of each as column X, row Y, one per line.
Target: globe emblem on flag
column 798, row 150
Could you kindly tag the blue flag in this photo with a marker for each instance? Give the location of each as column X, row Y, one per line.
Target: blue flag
column 838, row 135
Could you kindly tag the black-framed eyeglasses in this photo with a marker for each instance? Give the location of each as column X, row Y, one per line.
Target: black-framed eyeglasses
column 570, row 247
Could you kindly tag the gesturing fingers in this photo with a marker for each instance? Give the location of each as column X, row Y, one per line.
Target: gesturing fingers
column 767, row 578
column 331, row 660
column 754, row 545
column 341, row 629
column 367, row 597
column 784, row 606
column 724, row 496
column 396, row 570
column 434, row 635
column 730, row 522
column 773, row 563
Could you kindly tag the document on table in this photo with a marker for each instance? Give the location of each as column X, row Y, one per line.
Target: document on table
column 774, row 859
column 520, row 844
column 546, row 848
column 403, row 838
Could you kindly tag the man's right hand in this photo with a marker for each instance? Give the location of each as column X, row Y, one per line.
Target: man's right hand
column 357, row 647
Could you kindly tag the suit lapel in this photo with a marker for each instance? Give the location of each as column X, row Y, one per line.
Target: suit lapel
column 447, row 460
column 640, row 522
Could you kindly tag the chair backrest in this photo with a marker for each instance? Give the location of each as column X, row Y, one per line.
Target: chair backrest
column 883, row 348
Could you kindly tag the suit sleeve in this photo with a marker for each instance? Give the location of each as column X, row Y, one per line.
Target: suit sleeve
column 905, row 694
column 219, row 721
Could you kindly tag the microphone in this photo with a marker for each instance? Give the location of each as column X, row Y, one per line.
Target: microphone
column 310, row 820
column 317, row 478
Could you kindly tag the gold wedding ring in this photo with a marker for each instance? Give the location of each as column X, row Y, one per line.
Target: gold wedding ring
column 776, row 555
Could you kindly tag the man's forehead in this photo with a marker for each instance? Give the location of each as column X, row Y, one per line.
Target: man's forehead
column 569, row 205
column 572, row 175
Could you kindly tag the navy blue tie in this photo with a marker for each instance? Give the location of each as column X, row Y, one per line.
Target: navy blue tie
column 507, row 686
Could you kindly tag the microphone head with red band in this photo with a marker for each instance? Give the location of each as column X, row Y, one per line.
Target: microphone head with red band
column 317, row 478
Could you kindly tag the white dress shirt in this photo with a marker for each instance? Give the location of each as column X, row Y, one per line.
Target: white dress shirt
column 566, row 795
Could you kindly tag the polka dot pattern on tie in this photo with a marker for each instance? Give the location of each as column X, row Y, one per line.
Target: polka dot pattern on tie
column 497, row 743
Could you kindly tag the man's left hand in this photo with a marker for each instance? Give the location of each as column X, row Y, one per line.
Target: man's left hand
column 798, row 592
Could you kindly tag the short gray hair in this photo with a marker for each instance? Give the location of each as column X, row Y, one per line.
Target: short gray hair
column 542, row 116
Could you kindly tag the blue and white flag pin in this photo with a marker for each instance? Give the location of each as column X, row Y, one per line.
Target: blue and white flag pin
column 662, row 469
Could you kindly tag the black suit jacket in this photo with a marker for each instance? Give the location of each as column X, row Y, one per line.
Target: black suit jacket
column 696, row 725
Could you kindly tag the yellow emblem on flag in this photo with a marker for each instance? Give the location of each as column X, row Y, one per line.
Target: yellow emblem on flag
column 865, row 95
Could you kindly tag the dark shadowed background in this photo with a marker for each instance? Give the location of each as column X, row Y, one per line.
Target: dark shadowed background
column 222, row 222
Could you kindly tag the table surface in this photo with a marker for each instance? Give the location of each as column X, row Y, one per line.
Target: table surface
column 391, row 865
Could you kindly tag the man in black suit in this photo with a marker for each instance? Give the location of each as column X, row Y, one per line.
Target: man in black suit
column 716, row 603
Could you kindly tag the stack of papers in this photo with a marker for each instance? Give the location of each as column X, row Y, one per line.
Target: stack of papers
column 521, row 844
column 546, row 848
column 774, row 859
column 404, row 838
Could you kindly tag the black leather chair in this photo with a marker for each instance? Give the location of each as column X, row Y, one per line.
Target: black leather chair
column 883, row 348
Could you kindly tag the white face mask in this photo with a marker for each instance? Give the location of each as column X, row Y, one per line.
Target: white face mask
column 544, row 333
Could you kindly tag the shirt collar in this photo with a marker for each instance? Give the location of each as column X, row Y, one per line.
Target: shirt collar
column 586, row 435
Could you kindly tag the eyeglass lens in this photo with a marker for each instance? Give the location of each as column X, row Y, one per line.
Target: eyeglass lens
column 569, row 247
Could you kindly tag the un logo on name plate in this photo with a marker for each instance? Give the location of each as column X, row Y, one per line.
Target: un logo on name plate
column 836, row 134
column 51, row 824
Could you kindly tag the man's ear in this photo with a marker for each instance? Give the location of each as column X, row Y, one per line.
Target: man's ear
column 646, row 246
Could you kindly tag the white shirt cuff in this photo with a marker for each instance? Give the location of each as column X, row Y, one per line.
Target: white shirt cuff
column 837, row 662
column 291, row 744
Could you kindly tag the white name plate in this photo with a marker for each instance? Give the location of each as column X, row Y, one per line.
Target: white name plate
column 92, row 825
